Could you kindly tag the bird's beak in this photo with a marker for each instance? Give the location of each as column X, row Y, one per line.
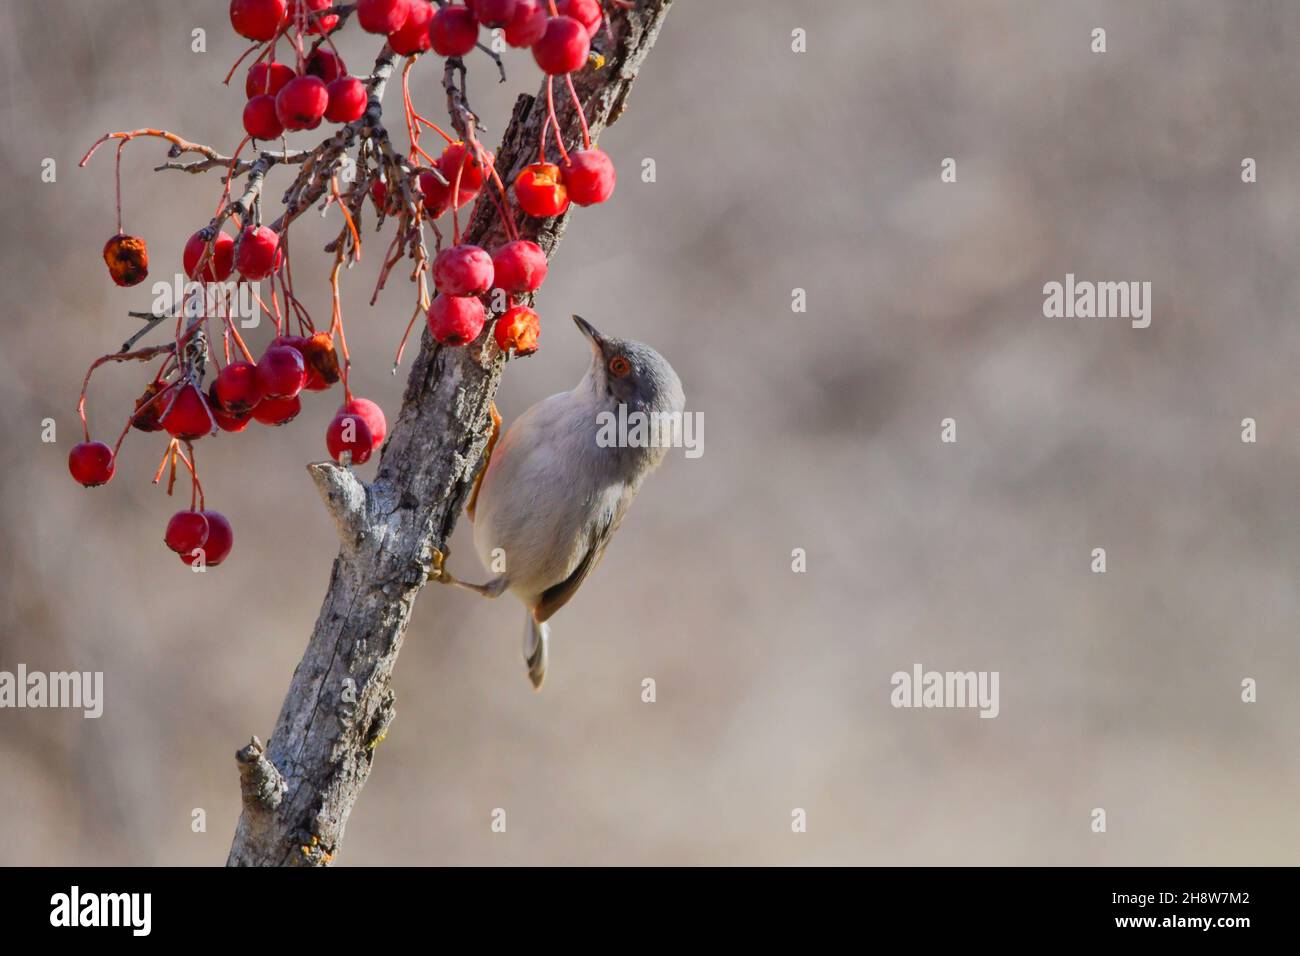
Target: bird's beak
column 589, row 331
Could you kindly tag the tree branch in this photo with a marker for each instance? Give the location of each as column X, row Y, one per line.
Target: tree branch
column 340, row 703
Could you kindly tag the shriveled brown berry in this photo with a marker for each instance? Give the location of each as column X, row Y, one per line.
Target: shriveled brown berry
column 322, row 361
column 127, row 258
column 149, row 409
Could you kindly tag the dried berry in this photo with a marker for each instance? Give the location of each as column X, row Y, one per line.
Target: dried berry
column 518, row 329
column 127, row 258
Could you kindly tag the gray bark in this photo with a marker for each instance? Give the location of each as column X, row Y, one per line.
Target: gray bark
column 299, row 791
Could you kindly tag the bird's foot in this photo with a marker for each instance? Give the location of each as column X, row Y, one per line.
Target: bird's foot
column 438, row 572
column 435, row 570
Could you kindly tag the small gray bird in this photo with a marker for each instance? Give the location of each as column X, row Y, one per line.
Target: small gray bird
column 551, row 496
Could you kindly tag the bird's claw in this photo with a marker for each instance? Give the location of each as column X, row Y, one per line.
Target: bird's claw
column 434, row 571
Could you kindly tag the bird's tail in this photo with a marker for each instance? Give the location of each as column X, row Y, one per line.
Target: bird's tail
column 536, row 634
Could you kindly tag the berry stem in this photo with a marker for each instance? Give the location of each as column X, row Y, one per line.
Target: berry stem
column 239, row 340
column 196, row 486
column 166, row 459
column 347, row 217
column 336, row 325
column 455, row 199
column 554, row 120
column 118, row 173
column 582, row 116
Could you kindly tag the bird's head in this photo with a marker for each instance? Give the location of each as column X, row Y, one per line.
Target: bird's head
column 628, row 373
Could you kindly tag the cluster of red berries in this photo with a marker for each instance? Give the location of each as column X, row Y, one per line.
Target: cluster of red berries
column 280, row 98
column 462, row 273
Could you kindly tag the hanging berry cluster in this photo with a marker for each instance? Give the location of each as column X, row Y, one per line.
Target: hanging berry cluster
column 206, row 379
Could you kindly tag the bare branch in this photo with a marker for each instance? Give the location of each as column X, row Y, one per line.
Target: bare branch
column 345, row 497
column 259, row 782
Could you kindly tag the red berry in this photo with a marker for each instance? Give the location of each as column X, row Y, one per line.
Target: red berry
column 350, row 435
column 260, row 118
column 493, row 13
column 227, row 421
column 519, row 266
column 127, row 259
column 383, row 16
column 437, row 196
column 372, row 415
column 281, row 372
column 188, row 417
column 221, row 538
column 540, row 190
column 586, row 12
column 456, row 320
column 518, row 329
column 317, row 24
column 238, row 388
column 455, row 157
column 91, row 463
column 267, row 79
column 326, row 64
column 589, row 176
column 564, row 46
column 302, row 102
column 220, row 264
column 527, row 24
column 462, row 270
column 413, row 38
column 453, row 31
column 259, row 253
column 277, row 411
column 186, row 531
column 258, row 19
column 379, row 194
column 347, row 100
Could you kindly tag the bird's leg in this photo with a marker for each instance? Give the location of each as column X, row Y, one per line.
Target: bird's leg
column 438, row 571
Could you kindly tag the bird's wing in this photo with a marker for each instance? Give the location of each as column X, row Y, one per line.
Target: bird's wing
column 558, row 595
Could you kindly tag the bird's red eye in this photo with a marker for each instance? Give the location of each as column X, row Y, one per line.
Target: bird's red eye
column 619, row 366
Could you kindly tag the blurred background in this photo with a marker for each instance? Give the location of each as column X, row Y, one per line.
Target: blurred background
column 775, row 171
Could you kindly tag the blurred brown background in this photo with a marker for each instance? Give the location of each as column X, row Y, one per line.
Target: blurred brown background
column 775, row 171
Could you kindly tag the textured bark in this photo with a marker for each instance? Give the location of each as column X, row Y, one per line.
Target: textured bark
column 298, row 794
